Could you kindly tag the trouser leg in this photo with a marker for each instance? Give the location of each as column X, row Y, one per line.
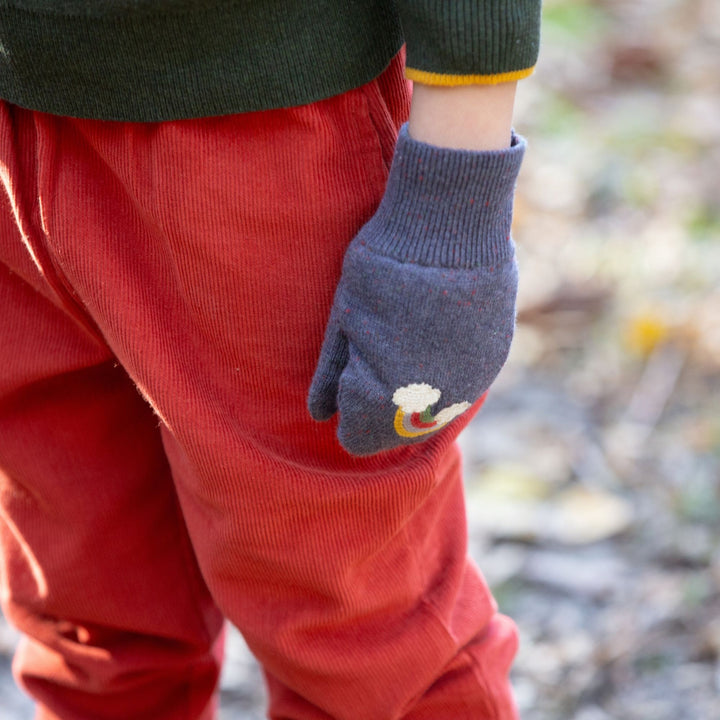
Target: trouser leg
column 96, row 568
column 348, row 577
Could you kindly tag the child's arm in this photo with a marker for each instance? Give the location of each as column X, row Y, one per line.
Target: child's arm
column 465, row 58
column 425, row 310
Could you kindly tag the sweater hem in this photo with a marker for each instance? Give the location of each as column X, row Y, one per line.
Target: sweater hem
column 191, row 61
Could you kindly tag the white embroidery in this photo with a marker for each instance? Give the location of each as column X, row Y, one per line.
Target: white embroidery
column 413, row 417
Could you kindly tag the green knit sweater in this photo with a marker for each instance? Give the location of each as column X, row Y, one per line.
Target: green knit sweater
column 151, row 60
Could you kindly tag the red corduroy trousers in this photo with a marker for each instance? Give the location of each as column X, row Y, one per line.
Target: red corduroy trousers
column 164, row 290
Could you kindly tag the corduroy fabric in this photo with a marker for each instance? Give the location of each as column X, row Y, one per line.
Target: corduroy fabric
column 195, row 262
column 151, row 60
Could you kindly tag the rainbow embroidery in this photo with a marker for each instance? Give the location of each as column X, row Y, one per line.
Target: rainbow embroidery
column 414, row 417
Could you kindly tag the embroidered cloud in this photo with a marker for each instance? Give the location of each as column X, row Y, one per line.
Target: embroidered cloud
column 414, row 416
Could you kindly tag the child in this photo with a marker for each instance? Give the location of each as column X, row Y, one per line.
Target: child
column 182, row 183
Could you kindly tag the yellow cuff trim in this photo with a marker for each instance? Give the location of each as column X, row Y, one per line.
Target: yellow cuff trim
column 431, row 78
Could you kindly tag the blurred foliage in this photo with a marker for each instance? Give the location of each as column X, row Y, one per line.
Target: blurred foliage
column 593, row 471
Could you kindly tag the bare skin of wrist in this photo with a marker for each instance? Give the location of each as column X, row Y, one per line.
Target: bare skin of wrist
column 467, row 117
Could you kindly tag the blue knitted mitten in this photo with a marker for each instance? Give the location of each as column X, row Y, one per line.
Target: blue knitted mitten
column 424, row 312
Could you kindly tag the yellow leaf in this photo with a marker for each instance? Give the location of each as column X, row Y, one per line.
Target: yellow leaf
column 644, row 332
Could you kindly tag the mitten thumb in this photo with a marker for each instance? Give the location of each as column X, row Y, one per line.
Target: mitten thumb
column 322, row 398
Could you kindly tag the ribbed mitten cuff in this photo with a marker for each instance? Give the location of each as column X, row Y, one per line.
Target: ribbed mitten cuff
column 445, row 207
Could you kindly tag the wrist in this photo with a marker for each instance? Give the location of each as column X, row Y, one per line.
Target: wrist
column 470, row 117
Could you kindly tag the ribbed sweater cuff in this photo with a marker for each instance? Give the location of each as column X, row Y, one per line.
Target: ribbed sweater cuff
column 445, row 207
column 467, row 37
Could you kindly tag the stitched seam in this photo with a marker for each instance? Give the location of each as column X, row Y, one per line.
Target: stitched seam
column 371, row 94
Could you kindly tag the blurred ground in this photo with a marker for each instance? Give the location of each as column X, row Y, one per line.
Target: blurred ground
column 593, row 470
